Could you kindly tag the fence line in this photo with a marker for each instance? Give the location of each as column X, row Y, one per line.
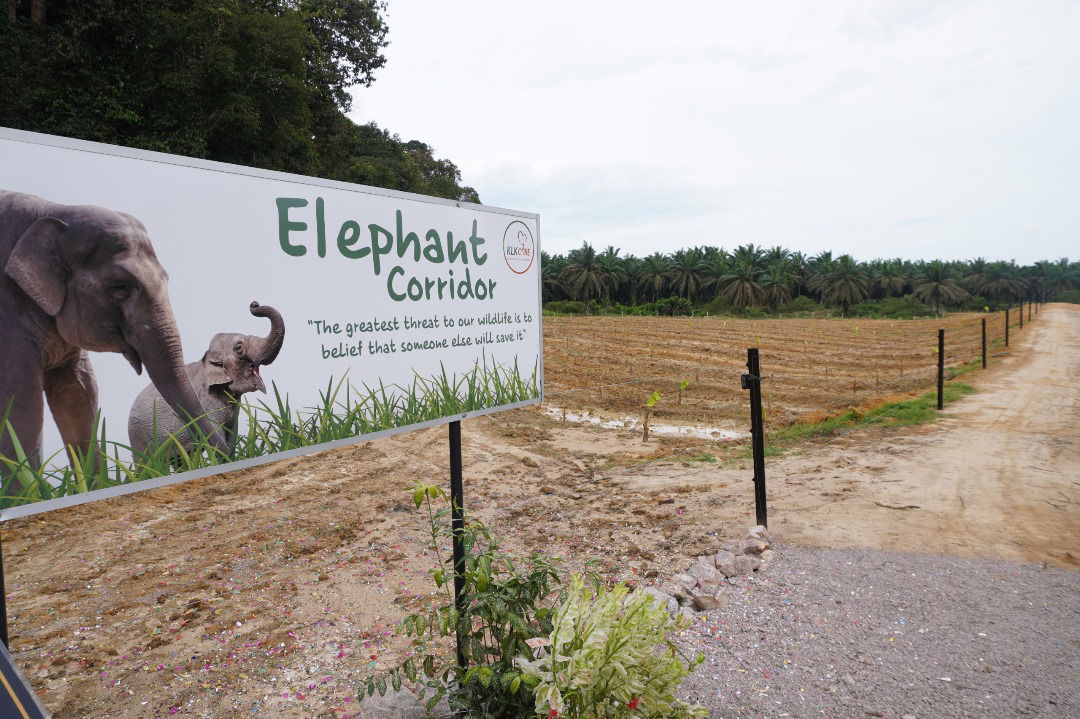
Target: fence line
column 962, row 346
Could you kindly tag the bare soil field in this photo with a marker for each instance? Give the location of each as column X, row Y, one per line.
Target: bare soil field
column 271, row 591
column 611, row 364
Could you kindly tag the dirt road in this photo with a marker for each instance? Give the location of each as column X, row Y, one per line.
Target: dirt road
column 999, row 478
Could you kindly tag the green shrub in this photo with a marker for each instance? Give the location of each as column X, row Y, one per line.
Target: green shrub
column 565, row 307
column 890, row 308
column 715, row 306
column 608, row 655
column 669, row 306
column 504, row 607
column 1068, row 296
column 802, row 303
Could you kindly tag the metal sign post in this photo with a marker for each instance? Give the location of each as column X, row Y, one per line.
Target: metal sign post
column 457, row 525
column 3, row 596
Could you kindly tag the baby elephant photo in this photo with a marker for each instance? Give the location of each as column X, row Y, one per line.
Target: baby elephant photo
column 228, row 370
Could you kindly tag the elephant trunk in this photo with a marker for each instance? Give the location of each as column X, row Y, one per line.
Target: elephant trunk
column 161, row 353
column 265, row 350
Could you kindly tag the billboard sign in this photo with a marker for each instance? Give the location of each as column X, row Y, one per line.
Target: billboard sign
column 164, row 318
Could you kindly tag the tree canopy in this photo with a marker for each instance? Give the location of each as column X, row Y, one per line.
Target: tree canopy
column 262, row 83
column 754, row 277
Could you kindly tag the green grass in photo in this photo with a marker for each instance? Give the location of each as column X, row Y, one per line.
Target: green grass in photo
column 273, row 426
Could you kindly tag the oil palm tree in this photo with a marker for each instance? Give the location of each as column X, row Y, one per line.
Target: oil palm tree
column 614, row 272
column 654, row 274
column 584, row 277
column 717, row 264
column 739, row 286
column 685, row 273
column 936, row 285
column 1004, row 281
column 845, row 283
column 777, row 283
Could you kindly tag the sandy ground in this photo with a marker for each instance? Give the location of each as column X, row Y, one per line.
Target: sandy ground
column 271, row 591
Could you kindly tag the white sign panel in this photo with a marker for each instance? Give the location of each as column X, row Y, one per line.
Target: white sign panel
column 268, row 313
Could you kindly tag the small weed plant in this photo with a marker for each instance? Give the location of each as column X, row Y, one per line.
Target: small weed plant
column 532, row 645
column 505, row 607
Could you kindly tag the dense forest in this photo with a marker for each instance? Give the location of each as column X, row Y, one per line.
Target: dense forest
column 753, row 279
column 262, row 83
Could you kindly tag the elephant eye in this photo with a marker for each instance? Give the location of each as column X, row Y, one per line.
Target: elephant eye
column 238, row 348
column 217, row 363
column 120, row 292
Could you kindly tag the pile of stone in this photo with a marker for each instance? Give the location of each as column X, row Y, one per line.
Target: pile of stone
column 701, row 587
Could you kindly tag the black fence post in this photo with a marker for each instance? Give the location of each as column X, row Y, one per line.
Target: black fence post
column 1029, row 310
column 457, row 525
column 1006, row 326
column 752, row 382
column 984, row 342
column 940, row 369
column 1021, row 314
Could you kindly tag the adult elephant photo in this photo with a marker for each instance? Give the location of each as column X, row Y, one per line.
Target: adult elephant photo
column 75, row 279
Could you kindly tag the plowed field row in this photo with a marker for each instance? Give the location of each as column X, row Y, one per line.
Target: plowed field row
column 611, row 364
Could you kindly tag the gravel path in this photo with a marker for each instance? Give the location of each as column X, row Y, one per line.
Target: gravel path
column 864, row 633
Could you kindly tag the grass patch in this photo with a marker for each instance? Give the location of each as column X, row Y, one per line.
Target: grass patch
column 894, row 414
column 343, row 411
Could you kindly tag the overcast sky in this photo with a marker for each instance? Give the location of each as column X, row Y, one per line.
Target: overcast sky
column 918, row 129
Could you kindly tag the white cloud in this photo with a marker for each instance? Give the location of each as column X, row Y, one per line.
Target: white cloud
column 913, row 129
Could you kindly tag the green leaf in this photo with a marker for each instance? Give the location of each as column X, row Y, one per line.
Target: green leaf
column 410, row 669
column 395, row 680
column 429, row 665
column 435, row 698
column 515, row 684
column 381, row 686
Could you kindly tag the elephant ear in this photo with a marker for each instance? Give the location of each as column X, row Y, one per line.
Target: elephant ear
column 214, row 372
column 35, row 264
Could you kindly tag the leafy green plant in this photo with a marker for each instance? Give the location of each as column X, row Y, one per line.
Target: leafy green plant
column 682, row 388
column 504, row 608
column 608, row 655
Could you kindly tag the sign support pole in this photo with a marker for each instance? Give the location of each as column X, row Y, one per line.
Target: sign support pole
column 3, row 596
column 457, row 525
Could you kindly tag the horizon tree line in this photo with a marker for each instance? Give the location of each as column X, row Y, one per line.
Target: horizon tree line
column 750, row 276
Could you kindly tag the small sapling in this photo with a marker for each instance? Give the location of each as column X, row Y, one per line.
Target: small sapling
column 649, row 404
